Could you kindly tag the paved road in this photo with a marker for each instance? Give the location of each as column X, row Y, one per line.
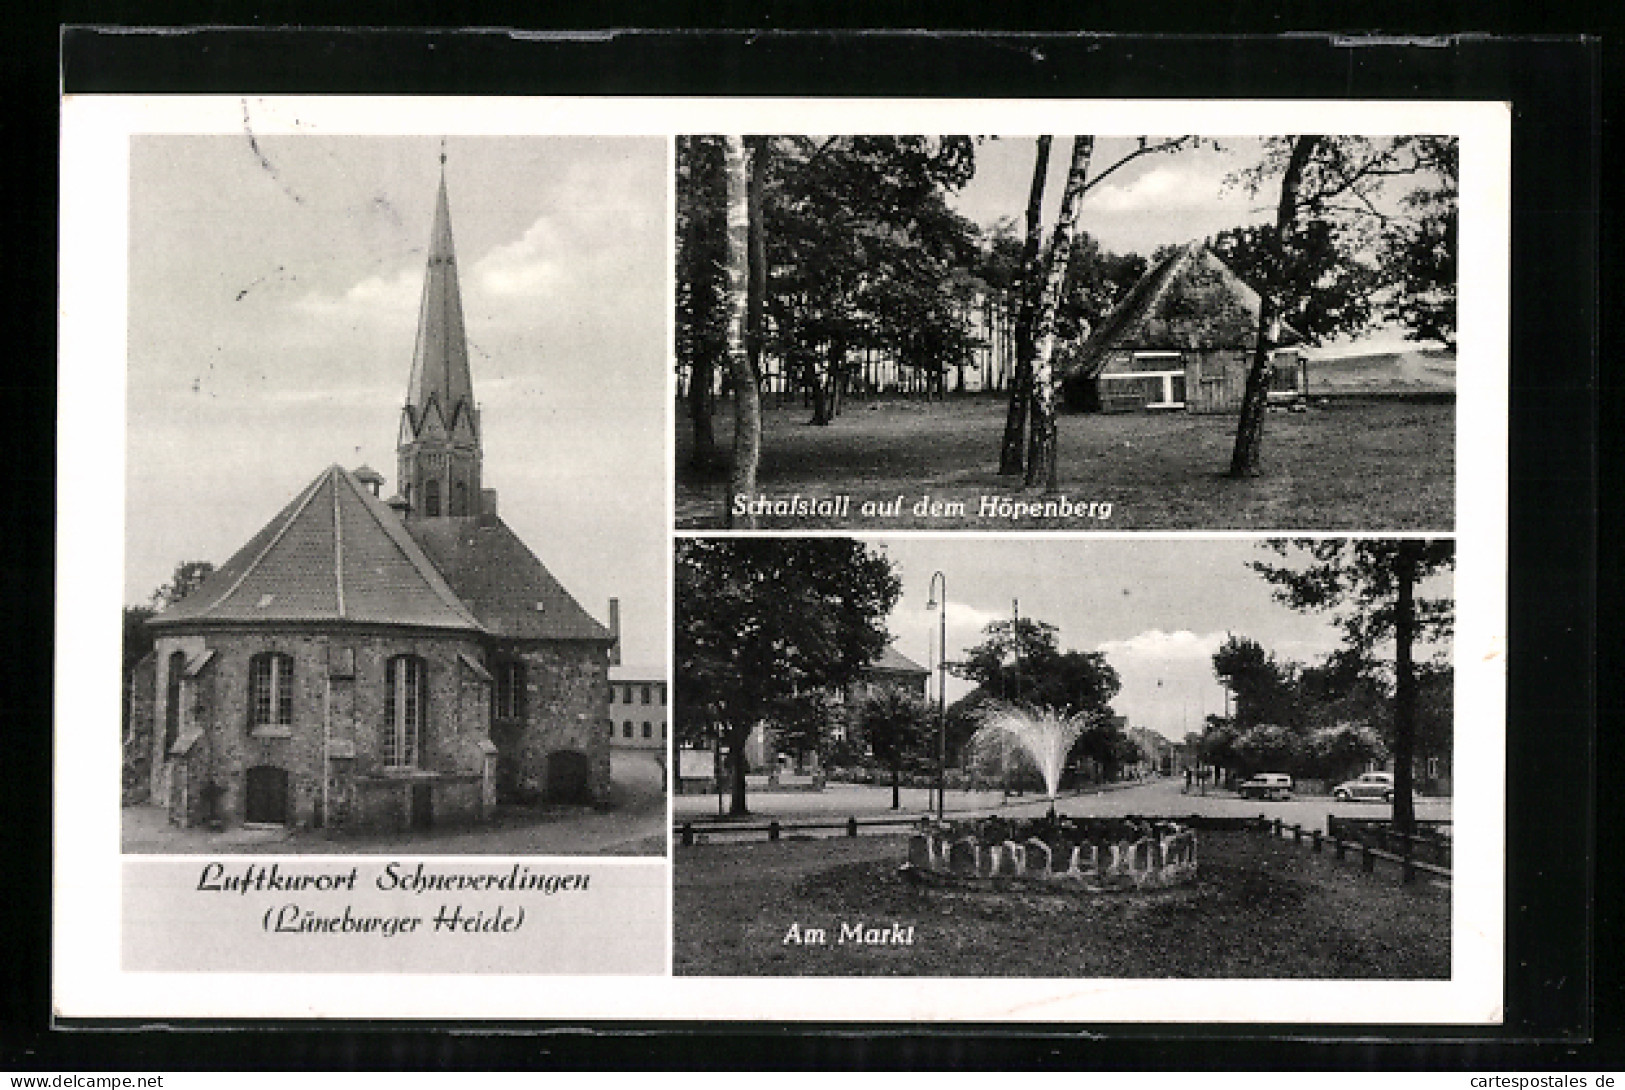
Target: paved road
column 1167, row 798
column 1156, row 797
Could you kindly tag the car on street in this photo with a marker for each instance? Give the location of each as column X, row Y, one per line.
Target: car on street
column 1378, row 786
column 1267, row 785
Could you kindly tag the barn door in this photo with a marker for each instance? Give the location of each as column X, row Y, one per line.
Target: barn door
column 267, row 796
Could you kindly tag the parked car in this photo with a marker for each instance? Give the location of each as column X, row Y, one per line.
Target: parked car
column 1369, row 785
column 1267, row 785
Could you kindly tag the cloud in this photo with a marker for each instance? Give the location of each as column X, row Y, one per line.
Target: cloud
column 1164, row 188
column 525, row 266
column 1154, row 643
column 376, row 296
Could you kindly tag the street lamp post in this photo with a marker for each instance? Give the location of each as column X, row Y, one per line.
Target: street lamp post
column 941, row 605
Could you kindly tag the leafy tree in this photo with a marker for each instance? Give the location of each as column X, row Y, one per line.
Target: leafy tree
column 1004, row 664
column 1419, row 250
column 897, row 726
column 1342, row 749
column 1320, row 294
column 762, row 621
column 137, row 644
column 189, row 575
column 1333, row 198
column 1374, row 584
column 1263, row 689
column 861, row 247
column 1041, row 675
column 137, row 636
column 701, row 326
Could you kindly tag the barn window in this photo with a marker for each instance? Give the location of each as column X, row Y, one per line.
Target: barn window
column 510, row 690
column 270, row 691
column 172, row 699
column 648, row 732
column 404, row 694
column 431, row 498
column 646, row 694
column 626, row 729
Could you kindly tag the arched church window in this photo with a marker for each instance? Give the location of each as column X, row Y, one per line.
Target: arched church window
column 404, row 693
column 172, row 699
column 459, row 499
column 270, row 691
column 431, row 498
column 510, row 702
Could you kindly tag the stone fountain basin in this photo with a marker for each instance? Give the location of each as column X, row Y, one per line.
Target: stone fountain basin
column 1103, row 855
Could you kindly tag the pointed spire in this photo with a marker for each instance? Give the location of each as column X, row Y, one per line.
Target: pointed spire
column 440, row 358
column 439, row 444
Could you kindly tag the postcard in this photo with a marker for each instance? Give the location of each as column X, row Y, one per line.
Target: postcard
column 884, row 564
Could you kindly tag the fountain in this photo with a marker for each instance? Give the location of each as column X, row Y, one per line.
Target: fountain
column 1045, row 735
column 1094, row 854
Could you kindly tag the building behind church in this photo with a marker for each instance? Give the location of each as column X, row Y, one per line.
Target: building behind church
column 373, row 663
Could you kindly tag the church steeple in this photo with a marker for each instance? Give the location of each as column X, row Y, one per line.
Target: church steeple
column 439, row 445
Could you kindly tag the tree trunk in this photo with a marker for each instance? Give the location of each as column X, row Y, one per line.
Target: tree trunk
column 755, row 302
column 896, row 800
column 701, row 407
column 1405, row 566
column 736, row 780
column 1012, row 453
column 1042, row 465
column 1245, row 458
column 824, row 385
column 747, row 449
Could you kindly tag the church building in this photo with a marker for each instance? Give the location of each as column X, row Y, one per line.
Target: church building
column 377, row 663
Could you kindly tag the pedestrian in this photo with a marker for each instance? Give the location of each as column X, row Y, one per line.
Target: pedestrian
column 1187, row 780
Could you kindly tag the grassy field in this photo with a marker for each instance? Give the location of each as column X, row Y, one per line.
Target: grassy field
column 1375, row 465
column 1257, row 909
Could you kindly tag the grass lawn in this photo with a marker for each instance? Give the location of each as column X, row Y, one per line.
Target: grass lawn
column 1374, row 465
column 1257, row 909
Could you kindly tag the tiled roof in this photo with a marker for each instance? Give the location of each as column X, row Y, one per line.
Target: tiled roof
column 893, row 661
column 502, row 581
column 334, row 554
column 1189, row 300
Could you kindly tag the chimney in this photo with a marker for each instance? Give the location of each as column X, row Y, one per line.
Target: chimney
column 488, row 507
column 615, row 631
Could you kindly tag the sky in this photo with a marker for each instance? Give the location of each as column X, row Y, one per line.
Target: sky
column 273, row 295
column 1156, row 200
column 1156, row 607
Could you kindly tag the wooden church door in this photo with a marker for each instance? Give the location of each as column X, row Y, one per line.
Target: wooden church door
column 267, row 801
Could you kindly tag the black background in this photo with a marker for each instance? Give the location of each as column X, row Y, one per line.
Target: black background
column 1562, row 913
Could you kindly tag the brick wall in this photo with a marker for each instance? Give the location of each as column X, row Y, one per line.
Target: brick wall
column 457, row 715
column 566, row 708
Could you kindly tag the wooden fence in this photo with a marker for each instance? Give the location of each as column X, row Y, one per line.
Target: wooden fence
column 1405, row 856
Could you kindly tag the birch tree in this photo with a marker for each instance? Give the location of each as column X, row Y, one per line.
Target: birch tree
column 747, row 446
column 1041, row 460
